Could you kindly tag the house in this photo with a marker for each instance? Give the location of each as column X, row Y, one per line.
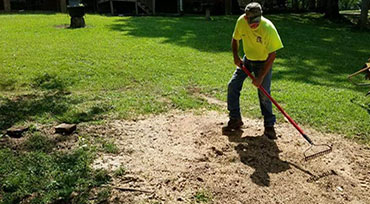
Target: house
column 152, row 7
column 130, row 7
column 45, row 5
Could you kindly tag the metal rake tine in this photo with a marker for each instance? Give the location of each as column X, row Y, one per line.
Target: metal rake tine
column 318, row 154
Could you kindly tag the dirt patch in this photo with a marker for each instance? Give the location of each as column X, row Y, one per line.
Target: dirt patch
column 184, row 158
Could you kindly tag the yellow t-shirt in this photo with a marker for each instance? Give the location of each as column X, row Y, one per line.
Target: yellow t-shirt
column 259, row 42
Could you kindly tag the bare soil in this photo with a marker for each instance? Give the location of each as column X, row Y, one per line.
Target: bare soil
column 183, row 157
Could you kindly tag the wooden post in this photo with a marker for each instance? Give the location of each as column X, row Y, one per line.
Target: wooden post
column 63, row 6
column 111, row 7
column 7, row 7
column 208, row 13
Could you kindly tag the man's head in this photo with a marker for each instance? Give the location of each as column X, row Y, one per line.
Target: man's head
column 253, row 13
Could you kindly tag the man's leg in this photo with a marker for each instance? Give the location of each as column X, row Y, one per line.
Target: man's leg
column 233, row 98
column 265, row 103
column 266, row 106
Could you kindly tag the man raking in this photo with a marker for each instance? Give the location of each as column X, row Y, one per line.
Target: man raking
column 260, row 43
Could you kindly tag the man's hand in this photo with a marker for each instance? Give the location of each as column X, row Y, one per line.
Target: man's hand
column 257, row 82
column 235, row 48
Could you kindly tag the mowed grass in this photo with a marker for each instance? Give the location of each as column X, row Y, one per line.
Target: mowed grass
column 125, row 67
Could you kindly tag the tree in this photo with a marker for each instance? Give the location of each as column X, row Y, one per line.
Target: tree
column 321, row 5
column 7, row 5
column 228, row 6
column 332, row 9
column 295, row 5
column 311, row 5
column 364, row 13
column 63, row 6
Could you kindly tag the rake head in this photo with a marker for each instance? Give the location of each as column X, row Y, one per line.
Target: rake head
column 316, row 150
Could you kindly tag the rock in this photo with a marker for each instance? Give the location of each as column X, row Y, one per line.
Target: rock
column 217, row 152
column 16, row 131
column 65, row 129
column 200, row 179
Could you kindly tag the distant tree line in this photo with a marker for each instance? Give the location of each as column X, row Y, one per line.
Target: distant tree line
column 329, row 7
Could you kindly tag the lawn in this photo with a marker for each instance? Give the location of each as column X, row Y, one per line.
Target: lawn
column 127, row 67
column 122, row 67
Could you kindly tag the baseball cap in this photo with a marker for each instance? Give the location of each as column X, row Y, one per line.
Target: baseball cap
column 254, row 12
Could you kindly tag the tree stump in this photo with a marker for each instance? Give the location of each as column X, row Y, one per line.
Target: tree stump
column 77, row 22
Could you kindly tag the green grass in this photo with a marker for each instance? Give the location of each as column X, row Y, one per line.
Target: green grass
column 36, row 174
column 110, row 147
column 121, row 171
column 122, row 67
column 202, row 196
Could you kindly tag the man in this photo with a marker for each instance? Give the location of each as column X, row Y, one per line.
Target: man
column 260, row 43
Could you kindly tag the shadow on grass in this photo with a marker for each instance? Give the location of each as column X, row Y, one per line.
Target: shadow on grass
column 48, row 106
column 42, row 177
column 42, row 167
column 317, row 51
column 194, row 32
column 51, row 101
column 366, row 107
column 28, row 107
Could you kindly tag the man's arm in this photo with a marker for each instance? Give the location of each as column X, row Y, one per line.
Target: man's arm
column 235, row 49
column 268, row 64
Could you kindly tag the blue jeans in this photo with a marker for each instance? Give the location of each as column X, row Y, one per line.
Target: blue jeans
column 235, row 86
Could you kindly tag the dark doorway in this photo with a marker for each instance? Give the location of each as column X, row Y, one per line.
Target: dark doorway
column 125, row 8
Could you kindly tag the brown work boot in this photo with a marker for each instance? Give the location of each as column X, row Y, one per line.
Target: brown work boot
column 233, row 124
column 270, row 133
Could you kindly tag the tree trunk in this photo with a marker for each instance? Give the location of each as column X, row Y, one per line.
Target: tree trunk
column 268, row 5
column 362, row 23
column 63, row 6
column 321, row 5
column 332, row 9
column 77, row 22
column 228, row 7
column 295, row 5
column 311, row 5
column 7, row 6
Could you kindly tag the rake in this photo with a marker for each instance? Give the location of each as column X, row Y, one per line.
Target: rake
column 365, row 69
column 315, row 150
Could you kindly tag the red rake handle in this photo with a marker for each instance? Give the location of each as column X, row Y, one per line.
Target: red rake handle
column 278, row 106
